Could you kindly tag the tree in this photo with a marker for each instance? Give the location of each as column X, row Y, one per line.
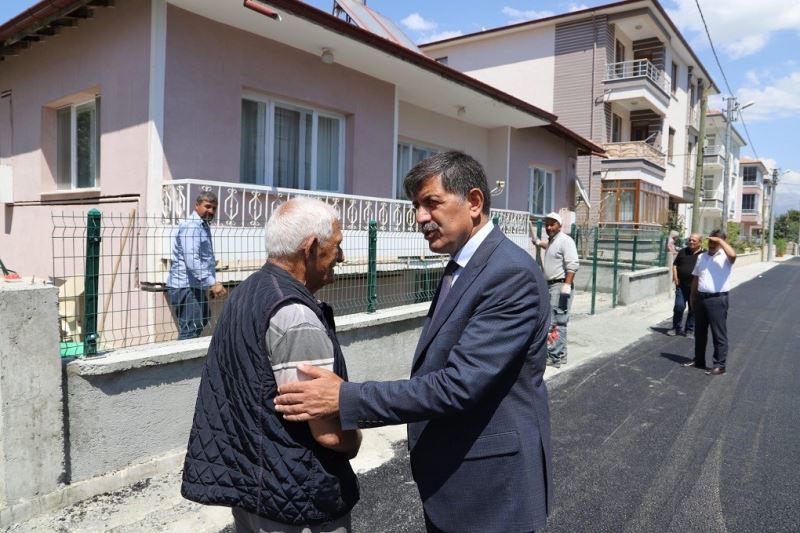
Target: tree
column 787, row 225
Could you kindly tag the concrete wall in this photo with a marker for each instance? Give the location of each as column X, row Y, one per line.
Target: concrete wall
column 521, row 63
column 31, row 435
column 643, row 284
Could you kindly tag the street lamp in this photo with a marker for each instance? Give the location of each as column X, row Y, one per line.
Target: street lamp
column 732, row 108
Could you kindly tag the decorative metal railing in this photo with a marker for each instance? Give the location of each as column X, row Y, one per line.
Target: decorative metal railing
column 250, row 206
column 635, row 150
column 714, row 150
column 638, row 68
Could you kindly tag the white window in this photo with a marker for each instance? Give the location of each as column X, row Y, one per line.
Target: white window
column 540, row 191
column 408, row 155
column 708, row 186
column 77, row 145
column 291, row 146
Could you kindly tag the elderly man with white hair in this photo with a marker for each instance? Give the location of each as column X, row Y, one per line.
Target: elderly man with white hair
column 276, row 475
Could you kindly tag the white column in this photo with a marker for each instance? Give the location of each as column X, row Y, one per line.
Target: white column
column 155, row 119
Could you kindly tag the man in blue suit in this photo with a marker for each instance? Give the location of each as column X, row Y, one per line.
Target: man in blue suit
column 476, row 403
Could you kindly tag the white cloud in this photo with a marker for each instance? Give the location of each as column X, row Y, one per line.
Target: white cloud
column 787, row 195
column 577, row 7
column 442, row 35
column 521, row 15
column 415, row 22
column 774, row 97
column 738, row 27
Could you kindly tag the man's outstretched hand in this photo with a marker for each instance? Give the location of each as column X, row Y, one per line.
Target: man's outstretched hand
column 301, row 401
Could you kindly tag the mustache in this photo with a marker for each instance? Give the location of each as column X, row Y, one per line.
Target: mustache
column 429, row 226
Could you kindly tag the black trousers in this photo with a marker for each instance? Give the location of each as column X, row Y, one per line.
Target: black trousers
column 711, row 312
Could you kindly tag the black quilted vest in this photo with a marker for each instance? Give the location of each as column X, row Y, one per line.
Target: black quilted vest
column 240, row 452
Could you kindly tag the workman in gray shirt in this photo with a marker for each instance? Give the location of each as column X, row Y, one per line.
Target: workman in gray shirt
column 560, row 263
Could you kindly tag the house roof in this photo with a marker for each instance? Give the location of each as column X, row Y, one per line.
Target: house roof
column 614, row 7
column 756, row 163
column 420, row 77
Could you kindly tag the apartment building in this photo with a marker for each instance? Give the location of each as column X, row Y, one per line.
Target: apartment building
column 716, row 161
column 756, row 183
column 620, row 74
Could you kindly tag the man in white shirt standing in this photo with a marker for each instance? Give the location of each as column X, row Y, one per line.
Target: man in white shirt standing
column 710, row 286
column 560, row 264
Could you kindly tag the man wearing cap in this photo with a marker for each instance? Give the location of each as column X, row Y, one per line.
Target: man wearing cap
column 560, row 264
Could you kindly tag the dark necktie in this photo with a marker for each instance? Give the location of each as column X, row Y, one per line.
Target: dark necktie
column 447, row 282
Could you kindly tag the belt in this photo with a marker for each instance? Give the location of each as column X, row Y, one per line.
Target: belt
column 554, row 281
column 705, row 295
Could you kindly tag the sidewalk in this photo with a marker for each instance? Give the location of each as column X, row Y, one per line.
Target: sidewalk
column 155, row 504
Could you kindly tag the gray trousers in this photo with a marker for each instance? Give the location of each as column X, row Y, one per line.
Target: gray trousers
column 557, row 347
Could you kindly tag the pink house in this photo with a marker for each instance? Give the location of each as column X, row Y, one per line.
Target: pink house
column 110, row 104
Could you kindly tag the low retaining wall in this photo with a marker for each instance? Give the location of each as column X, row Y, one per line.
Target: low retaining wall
column 643, row 284
column 127, row 415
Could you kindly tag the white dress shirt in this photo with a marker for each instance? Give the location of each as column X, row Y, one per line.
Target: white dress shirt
column 466, row 252
column 713, row 272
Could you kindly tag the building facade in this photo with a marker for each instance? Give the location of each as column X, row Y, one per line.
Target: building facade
column 755, row 201
column 621, row 75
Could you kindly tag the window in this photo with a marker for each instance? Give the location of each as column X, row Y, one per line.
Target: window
column 748, row 202
column 291, row 146
column 674, row 80
column 619, row 52
column 616, row 128
column 708, row 187
column 540, row 191
column 671, row 145
column 408, row 155
column 77, row 145
column 749, row 175
column 711, row 140
column 633, row 202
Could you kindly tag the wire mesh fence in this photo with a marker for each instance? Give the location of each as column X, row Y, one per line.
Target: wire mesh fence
column 113, row 271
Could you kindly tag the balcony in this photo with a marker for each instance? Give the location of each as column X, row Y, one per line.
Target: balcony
column 714, row 156
column 639, row 84
column 712, row 204
column 693, row 117
column 634, row 160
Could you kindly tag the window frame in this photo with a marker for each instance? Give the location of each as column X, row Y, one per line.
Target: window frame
column 411, row 145
column 674, row 80
column 671, row 145
column 271, row 104
column 751, row 196
column 73, row 146
column 616, row 128
column 549, row 195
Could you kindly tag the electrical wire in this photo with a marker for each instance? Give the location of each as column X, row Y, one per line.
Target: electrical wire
column 724, row 77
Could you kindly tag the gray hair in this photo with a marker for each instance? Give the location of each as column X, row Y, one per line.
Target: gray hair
column 294, row 221
column 206, row 196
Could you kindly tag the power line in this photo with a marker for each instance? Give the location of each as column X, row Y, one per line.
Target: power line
column 724, row 77
column 713, row 49
column 747, row 134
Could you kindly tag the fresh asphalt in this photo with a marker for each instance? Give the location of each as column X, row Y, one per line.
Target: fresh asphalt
column 642, row 444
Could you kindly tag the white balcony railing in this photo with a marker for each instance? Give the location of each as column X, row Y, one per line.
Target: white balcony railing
column 714, row 150
column 638, row 68
column 244, row 205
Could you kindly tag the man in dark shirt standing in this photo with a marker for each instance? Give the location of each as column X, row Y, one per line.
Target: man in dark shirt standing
column 682, row 268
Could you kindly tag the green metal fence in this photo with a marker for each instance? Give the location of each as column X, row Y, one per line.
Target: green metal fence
column 111, row 271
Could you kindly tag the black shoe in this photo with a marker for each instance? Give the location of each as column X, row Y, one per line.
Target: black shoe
column 717, row 371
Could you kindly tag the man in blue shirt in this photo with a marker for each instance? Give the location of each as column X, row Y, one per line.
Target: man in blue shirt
column 192, row 276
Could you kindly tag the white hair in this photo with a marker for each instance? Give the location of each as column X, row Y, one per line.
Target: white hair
column 294, row 221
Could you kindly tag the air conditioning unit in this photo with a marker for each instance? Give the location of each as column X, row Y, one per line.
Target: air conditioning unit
column 6, row 185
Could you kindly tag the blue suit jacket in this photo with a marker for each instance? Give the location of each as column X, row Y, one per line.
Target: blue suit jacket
column 476, row 404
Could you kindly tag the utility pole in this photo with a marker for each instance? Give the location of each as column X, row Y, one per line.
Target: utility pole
column 765, row 190
column 726, row 185
column 770, row 256
column 698, row 171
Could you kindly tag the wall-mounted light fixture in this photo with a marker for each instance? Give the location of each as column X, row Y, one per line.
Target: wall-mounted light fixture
column 500, row 186
column 327, row 56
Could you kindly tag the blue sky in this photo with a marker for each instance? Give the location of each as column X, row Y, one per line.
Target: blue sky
column 758, row 44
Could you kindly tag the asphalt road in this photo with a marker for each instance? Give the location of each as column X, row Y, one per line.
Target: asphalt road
column 644, row 445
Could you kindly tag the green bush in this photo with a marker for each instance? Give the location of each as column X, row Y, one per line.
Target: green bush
column 780, row 246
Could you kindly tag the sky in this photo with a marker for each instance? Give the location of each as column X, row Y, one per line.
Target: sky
column 757, row 42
